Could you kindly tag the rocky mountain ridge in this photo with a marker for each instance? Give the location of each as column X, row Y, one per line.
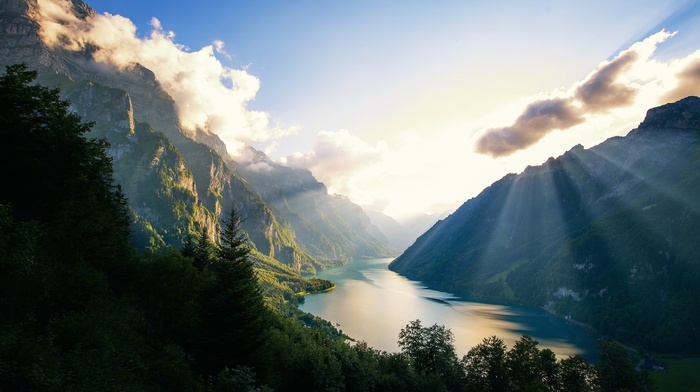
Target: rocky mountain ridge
column 606, row 235
column 175, row 184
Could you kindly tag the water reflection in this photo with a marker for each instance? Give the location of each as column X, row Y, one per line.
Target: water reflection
column 372, row 304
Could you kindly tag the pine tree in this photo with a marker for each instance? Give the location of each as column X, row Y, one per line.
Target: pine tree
column 188, row 247
column 202, row 253
column 234, row 317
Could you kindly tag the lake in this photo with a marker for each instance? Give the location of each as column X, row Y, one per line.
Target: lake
column 372, row 303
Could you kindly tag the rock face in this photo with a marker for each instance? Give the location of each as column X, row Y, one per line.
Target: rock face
column 606, row 235
column 175, row 184
column 682, row 115
column 330, row 226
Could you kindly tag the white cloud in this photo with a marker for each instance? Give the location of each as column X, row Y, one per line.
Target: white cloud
column 209, row 96
column 339, row 159
column 219, row 46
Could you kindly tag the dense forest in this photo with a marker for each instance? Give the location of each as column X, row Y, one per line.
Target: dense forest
column 81, row 310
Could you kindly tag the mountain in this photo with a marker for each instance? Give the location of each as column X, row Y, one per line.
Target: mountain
column 328, row 225
column 391, row 229
column 178, row 182
column 402, row 234
column 606, row 235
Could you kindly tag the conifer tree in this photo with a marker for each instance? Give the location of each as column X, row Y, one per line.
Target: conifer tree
column 52, row 174
column 234, row 317
column 203, row 251
column 64, row 254
column 188, row 246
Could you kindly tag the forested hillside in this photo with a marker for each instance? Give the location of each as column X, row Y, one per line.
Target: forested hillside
column 607, row 236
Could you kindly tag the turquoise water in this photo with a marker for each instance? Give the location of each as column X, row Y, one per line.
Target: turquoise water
column 372, row 304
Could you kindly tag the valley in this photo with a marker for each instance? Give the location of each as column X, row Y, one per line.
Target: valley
column 143, row 250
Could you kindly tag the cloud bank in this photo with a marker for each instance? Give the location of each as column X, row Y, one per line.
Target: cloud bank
column 209, row 96
column 608, row 87
column 338, row 158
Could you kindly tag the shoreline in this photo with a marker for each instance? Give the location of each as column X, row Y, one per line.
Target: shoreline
column 305, row 293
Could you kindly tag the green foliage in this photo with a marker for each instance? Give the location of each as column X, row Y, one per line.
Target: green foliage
column 577, row 375
column 159, row 184
column 682, row 374
column 532, row 369
column 203, row 251
column 431, row 350
column 615, row 371
column 169, row 290
column 54, row 176
column 238, row 379
column 485, row 366
column 283, row 286
column 234, row 316
column 188, row 247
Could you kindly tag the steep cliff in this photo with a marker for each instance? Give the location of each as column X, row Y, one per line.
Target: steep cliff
column 176, row 181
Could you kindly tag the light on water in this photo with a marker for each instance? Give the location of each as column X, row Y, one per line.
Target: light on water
column 372, row 303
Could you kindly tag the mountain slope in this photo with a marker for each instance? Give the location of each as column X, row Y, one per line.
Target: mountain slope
column 326, row 225
column 605, row 235
column 188, row 184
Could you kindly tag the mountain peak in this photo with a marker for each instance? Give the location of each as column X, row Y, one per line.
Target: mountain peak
column 684, row 114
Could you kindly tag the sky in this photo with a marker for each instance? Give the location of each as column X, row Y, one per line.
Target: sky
column 406, row 107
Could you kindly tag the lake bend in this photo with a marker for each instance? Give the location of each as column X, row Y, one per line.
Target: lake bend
column 371, row 303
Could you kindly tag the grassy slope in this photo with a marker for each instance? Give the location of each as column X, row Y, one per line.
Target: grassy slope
column 683, row 375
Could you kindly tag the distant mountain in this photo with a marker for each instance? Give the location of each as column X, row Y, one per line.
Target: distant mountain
column 606, row 235
column 177, row 182
column 327, row 225
column 402, row 234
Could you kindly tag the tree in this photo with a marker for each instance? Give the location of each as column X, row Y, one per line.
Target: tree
column 188, row 246
column 169, row 287
column 549, row 370
column 72, row 223
column 234, row 315
column 202, row 253
column 577, row 375
column 238, row 379
column 531, row 369
column 615, row 370
column 431, row 350
column 485, row 366
column 53, row 175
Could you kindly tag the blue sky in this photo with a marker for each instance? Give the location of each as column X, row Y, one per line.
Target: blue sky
column 386, row 99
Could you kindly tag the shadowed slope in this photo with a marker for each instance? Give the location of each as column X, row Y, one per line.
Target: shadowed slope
column 606, row 235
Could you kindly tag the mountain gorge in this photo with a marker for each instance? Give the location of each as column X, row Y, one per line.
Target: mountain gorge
column 606, row 235
column 178, row 182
